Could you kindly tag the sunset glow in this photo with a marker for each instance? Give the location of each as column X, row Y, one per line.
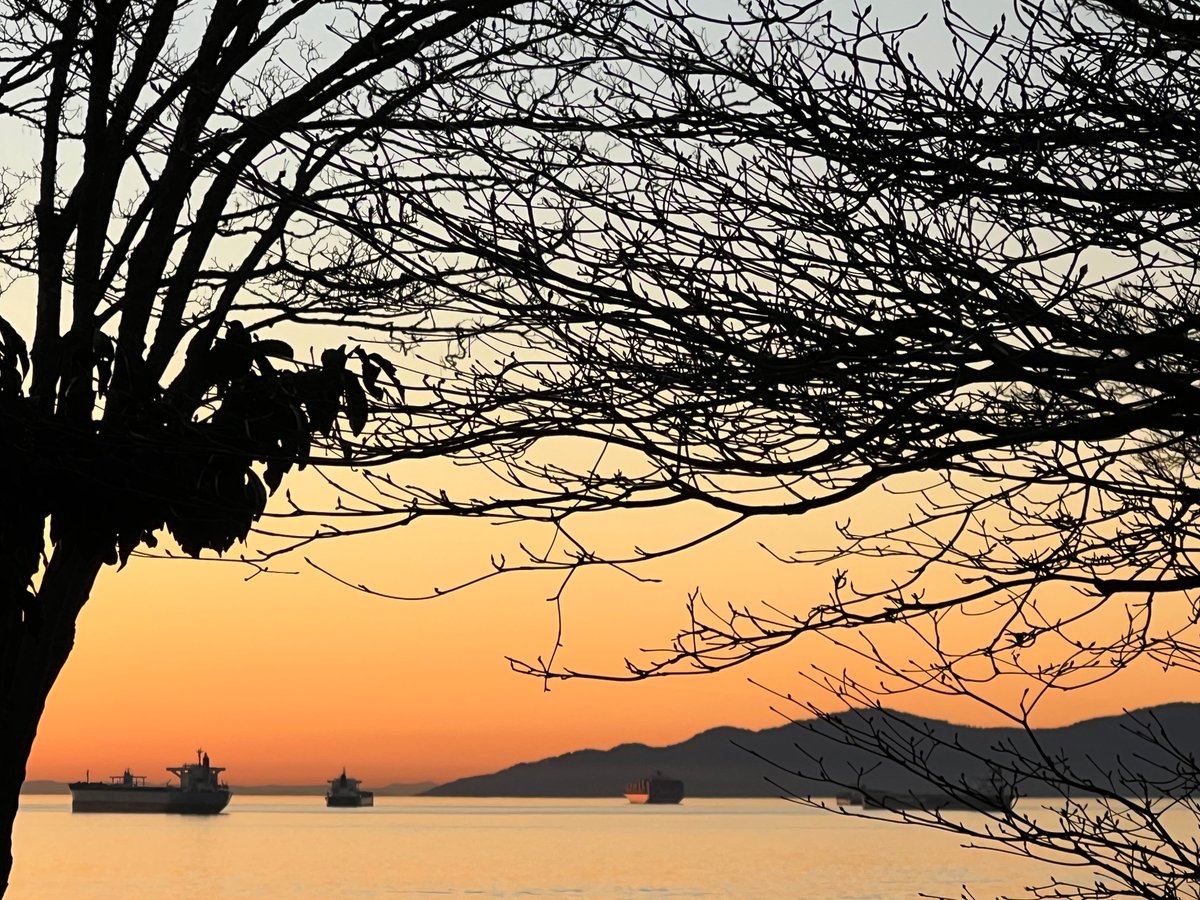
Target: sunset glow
column 287, row 677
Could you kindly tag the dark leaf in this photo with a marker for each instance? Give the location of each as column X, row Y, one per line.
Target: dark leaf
column 356, row 402
column 102, row 345
column 127, row 542
column 14, row 358
column 276, row 469
column 256, row 494
column 334, row 360
column 319, row 392
column 370, row 372
column 14, row 344
column 390, row 369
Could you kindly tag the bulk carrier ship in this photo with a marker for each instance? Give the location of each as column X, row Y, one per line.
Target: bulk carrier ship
column 198, row 793
column 345, row 791
column 658, row 789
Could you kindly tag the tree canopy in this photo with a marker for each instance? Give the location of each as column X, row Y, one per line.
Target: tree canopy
column 833, row 270
column 838, row 270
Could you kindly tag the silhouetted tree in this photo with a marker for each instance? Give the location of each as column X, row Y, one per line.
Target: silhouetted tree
column 772, row 266
column 840, row 271
column 211, row 212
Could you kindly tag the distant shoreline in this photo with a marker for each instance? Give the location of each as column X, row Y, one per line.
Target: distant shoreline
column 59, row 788
column 732, row 763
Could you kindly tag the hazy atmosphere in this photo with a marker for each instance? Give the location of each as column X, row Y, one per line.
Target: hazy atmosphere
column 308, row 675
column 603, row 447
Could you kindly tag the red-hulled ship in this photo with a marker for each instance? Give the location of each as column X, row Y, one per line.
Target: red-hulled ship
column 199, row 792
column 658, row 789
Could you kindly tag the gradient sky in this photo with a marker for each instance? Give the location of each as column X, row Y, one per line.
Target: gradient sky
column 288, row 677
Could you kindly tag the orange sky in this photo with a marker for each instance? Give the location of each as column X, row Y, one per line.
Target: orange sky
column 286, row 678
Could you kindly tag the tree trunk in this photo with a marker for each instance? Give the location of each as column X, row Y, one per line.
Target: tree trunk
column 33, row 649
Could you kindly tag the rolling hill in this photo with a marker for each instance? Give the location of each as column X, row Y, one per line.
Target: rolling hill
column 732, row 762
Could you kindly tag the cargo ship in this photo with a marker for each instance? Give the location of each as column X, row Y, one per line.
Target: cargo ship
column 198, row 793
column 344, row 791
column 658, row 789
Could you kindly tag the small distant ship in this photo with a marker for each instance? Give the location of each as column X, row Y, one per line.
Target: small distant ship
column 198, row 793
column 344, row 791
column 658, row 789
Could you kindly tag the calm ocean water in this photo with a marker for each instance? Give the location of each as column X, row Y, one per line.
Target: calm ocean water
column 293, row 847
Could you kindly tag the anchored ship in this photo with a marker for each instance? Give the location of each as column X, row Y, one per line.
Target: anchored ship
column 198, row 793
column 658, row 789
column 344, row 791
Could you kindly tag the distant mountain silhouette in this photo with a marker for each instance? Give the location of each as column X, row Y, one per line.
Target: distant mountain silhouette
column 712, row 764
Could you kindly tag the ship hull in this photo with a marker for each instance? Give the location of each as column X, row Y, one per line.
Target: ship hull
column 365, row 799
column 102, row 798
column 650, row 798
